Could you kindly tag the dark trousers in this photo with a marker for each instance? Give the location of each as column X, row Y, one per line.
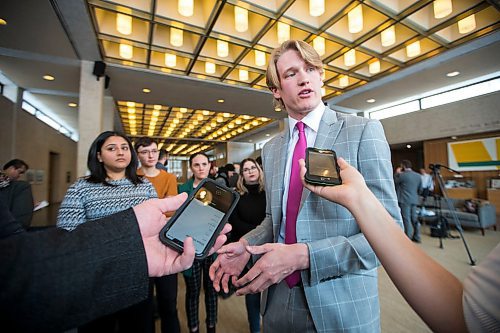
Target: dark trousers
column 410, row 220
column 252, row 302
column 166, row 296
column 199, row 272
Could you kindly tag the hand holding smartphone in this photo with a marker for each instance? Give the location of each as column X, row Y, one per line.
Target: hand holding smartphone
column 201, row 217
column 322, row 167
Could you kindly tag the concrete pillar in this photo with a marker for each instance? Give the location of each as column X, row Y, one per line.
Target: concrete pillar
column 90, row 113
column 18, row 107
column 108, row 113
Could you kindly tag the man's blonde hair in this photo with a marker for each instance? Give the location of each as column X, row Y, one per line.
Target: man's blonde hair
column 306, row 52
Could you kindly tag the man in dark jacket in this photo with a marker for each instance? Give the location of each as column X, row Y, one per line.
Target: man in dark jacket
column 54, row 280
column 18, row 198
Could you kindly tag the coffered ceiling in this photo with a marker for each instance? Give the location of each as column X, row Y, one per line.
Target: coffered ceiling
column 216, row 58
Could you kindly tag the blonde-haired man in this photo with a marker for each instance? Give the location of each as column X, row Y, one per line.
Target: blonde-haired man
column 335, row 288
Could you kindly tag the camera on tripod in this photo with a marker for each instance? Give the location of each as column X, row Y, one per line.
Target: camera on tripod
column 434, row 167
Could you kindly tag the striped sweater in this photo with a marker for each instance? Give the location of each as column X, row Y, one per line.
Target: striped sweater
column 87, row 201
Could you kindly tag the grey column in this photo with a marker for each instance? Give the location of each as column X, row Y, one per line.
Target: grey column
column 90, row 113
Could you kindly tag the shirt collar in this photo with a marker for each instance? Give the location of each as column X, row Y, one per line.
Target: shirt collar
column 311, row 120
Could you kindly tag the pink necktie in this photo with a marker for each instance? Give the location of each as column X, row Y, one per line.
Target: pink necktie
column 294, row 196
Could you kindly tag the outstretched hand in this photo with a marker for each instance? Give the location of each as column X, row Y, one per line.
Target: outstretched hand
column 230, row 262
column 162, row 260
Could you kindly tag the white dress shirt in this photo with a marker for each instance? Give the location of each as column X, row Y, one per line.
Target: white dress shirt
column 311, row 121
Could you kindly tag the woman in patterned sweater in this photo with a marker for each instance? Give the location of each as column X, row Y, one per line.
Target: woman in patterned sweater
column 111, row 187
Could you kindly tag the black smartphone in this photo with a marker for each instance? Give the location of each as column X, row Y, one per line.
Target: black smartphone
column 322, row 167
column 202, row 217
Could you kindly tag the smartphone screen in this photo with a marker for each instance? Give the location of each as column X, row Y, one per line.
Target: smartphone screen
column 202, row 216
column 322, row 165
column 322, row 168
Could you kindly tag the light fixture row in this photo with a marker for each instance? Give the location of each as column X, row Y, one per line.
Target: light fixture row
column 206, row 124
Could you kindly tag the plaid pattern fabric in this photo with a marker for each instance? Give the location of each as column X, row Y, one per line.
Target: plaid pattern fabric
column 193, row 288
column 341, row 282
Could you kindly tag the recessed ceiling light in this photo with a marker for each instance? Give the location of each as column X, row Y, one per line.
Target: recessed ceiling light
column 454, row 137
column 250, row 140
column 48, row 77
column 220, row 101
column 452, row 74
column 73, row 105
column 3, row 22
column 146, row 90
column 277, row 109
column 371, row 100
column 408, row 146
column 268, row 134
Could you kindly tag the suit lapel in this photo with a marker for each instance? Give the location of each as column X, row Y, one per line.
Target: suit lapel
column 278, row 177
column 329, row 129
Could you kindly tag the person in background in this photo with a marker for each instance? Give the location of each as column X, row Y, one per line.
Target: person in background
column 213, row 170
column 53, row 280
column 249, row 213
column 427, row 187
column 112, row 186
column 233, row 179
column 15, row 168
column 438, row 297
column 222, row 177
column 18, row 198
column 314, row 255
column 165, row 185
column 237, row 168
column 259, row 161
column 162, row 160
column 200, row 166
column 408, row 185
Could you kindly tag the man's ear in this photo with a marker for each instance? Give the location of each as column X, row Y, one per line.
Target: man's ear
column 276, row 93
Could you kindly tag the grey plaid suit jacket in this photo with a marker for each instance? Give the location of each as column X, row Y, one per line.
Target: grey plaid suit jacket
column 341, row 282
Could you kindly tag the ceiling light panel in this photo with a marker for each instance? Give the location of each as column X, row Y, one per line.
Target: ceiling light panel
column 483, row 20
column 239, row 75
column 175, row 38
column 200, row 68
column 107, row 24
column 383, row 67
column 299, row 12
column 158, row 60
column 225, row 24
column 402, row 34
column 209, row 50
column 137, row 52
column 371, row 20
column 340, row 62
column 202, row 10
column 426, row 46
column 270, row 38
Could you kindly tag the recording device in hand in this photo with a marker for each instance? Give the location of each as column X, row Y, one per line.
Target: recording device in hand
column 322, row 167
column 201, row 217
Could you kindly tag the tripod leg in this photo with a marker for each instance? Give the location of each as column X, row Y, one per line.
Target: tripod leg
column 453, row 213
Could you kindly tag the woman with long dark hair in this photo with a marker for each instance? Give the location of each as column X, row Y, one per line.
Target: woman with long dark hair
column 111, row 187
column 249, row 213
